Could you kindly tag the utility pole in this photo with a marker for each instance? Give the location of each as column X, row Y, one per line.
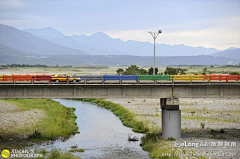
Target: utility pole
column 154, row 35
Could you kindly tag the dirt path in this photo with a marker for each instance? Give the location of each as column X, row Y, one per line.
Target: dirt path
column 16, row 122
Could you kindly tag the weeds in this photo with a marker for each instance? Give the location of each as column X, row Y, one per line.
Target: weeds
column 156, row 114
column 204, row 108
column 76, row 150
column 74, row 147
column 192, row 112
column 202, row 125
column 55, row 154
column 157, row 147
column 36, row 135
column 171, row 139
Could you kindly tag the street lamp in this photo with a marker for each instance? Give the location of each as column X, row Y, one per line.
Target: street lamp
column 154, row 35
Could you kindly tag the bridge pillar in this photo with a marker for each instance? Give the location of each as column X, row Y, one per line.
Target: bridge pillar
column 171, row 118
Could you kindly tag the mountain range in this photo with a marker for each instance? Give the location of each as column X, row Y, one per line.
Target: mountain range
column 101, row 44
column 233, row 53
column 29, row 43
column 43, row 46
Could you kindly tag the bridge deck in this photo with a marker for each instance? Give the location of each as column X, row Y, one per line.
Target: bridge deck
column 159, row 90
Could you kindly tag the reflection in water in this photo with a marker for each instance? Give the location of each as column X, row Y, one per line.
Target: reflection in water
column 102, row 135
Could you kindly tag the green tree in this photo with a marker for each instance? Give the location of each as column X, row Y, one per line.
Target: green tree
column 132, row 70
column 182, row 71
column 205, row 69
column 175, row 71
column 142, row 72
column 120, row 71
column 150, row 71
column 234, row 73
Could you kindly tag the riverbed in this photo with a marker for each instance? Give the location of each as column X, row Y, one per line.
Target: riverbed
column 102, row 134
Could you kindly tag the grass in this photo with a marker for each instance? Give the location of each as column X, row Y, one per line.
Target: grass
column 216, row 133
column 211, row 119
column 74, row 147
column 56, row 154
column 158, row 148
column 60, row 120
column 76, row 150
column 202, row 125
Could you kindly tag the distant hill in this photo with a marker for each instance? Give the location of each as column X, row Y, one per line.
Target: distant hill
column 101, row 44
column 29, row 43
column 57, row 37
column 235, row 54
column 9, row 55
column 231, row 48
column 7, row 51
column 117, row 47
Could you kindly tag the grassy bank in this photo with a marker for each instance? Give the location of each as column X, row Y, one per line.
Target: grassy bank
column 58, row 122
column 56, row 154
column 157, row 147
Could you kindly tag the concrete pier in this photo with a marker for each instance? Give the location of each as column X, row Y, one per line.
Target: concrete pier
column 171, row 118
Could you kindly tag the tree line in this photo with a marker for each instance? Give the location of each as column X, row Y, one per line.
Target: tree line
column 135, row 70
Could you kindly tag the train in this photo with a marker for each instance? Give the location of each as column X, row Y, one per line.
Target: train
column 67, row 78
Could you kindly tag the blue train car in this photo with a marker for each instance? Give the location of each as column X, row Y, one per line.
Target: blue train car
column 120, row 78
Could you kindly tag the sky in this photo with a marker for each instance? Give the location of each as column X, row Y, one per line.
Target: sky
column 207, row 23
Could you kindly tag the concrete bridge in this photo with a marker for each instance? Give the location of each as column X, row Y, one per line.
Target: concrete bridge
column 180, row 90
column 169, row 95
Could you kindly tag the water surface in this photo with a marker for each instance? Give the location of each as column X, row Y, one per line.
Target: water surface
column 102, row 134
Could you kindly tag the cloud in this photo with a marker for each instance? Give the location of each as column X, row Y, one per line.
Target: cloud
column 8, row 4
column 221, row 34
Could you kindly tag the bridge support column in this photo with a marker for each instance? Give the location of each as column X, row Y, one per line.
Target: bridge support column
column 171, row 118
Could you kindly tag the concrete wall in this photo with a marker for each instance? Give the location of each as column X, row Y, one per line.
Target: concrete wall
column 119, row 91
column 171, row 124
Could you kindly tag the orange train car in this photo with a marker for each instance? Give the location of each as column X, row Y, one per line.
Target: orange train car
column 226, row 78
column 28, row 78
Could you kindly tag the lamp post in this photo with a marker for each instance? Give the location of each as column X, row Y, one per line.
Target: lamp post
column 154, row 35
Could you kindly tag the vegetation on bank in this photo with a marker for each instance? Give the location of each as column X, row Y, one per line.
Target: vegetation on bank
column 158, row 148
column 56, row 154
column 59, row 121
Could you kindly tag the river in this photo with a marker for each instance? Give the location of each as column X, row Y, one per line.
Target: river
column 102, row 134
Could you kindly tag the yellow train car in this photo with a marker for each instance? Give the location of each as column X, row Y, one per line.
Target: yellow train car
column 189, row 78
column 63, row 77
